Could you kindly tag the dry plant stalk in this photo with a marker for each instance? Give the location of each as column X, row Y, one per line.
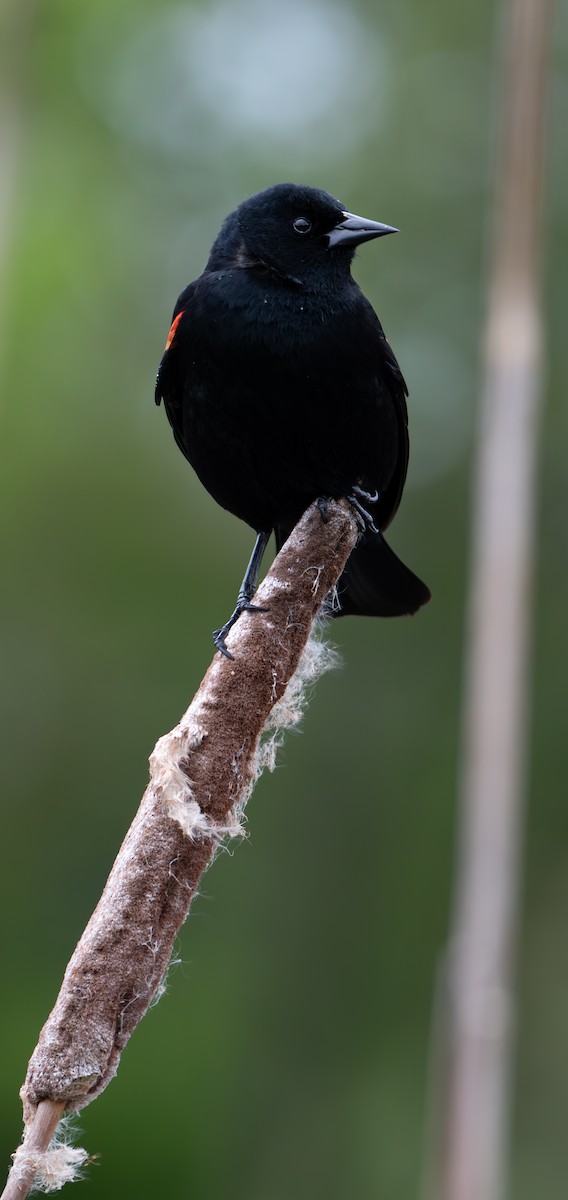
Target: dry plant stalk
column 17, row 21
column 475, row 1120
column 201, row 775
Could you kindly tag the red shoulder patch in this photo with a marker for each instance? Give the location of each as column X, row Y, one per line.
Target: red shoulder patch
column 173, row 328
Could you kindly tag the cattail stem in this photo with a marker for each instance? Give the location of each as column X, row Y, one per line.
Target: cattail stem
column 201, row 775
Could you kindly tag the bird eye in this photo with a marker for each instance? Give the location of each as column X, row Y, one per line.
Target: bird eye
column 302, row 225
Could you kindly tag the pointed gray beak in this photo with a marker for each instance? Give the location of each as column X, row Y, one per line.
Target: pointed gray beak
column 354, row 230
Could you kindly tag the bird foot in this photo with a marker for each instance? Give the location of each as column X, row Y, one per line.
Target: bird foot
column 220, row 635
column 368, row 497
column 364, row 517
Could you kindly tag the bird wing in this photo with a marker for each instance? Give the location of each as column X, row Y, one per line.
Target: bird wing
column 169, row 380
column 393, row 379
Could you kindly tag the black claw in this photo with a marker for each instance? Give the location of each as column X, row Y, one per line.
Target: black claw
column 323, row 505
column 220, row 644
column 365, row 517
column 366, row 497
column 248, row 607
column 219, row 636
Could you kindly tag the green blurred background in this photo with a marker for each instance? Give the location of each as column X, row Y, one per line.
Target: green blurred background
column 289, row 1056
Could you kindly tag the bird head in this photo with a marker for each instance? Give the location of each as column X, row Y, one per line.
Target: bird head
column 297, row 232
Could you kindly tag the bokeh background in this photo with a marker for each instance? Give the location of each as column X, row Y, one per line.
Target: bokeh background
column 290, row 1054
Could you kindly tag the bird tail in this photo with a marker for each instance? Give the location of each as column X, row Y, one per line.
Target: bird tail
column 375, row 583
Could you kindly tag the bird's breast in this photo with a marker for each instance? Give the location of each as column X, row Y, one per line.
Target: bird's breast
column 247, row 311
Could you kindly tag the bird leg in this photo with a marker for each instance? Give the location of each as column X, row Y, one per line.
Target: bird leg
column 355, row 497
column 246, row 591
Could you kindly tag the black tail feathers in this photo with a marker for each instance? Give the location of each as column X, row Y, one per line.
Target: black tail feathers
column 375, row 583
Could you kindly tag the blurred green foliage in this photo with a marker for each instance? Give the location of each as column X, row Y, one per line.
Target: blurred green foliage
column 289, row 1057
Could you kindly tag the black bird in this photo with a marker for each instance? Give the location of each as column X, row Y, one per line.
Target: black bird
column 281, row 388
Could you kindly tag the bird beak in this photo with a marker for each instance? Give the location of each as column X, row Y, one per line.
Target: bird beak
column 354, row 230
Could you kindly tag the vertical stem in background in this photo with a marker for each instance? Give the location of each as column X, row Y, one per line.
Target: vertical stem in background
column 482, row 949
column 16, row 26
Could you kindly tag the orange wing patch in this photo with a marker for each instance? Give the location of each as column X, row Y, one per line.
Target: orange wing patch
column 173, row 328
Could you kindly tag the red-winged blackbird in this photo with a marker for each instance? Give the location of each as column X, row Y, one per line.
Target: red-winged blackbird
column 281, row 388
